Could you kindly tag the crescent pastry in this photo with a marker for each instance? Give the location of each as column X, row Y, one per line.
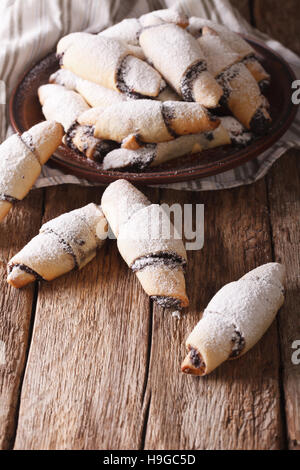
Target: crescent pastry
column 68, row 242
column 21, row 161
column 148, row 243
column 177, row 55
column 235, row 319
column 154, row 121
column 109, row 63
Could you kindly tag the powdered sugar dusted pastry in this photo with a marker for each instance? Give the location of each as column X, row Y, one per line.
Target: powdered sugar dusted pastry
column 241, row 47
column 244, row 99
column 95, row 95
column 167, row 15
column 177, row 55
column 80, row 138
column 153, row 121
column 142, row 157
column 148, row 243
column 66, row 106
column 61, row 105
column 156, row 154
column 21, row 161
column 242, row 95
column 235, row 319
column 128, row 30
column 68, row 242
column 109, row 63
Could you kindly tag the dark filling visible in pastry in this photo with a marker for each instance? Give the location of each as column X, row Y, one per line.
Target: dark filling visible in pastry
column 168, row 115
column 67, row 247
column 224, row 80
column 26, row 138
column 60, row 58
column 209, row 136
column 122, row 85
column 241, row 139
column 264, row 85
column 167, row 302
column 5, row 197
column 190, row 76
column 102, row 148
column 172, row 260
column 26, row 269
column 259, row 124
column 142, row 160
column 196, row 359
column 238, row 342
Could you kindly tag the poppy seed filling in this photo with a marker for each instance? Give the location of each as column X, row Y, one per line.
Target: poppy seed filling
column 238, row 342
column 190, row 76
column 167, row 302
column 172, row 260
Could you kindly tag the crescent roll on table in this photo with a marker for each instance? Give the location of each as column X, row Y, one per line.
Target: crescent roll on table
column 242, row 94
column 153, row 121
column 109, row 63
column 177, row 55
column 21, row 161
column 242, row 48
column 235, row 319
column 66, row 106
column 148, row 243
column 68, row 242
column 229, row 132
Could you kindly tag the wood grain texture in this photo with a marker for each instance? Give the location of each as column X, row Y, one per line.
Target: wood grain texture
column 15, row 312
column 238, row 405
column 284, row 199
column 85, row 378
column 279, row 20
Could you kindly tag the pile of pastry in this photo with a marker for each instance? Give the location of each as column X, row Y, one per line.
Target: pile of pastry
column 149, row 90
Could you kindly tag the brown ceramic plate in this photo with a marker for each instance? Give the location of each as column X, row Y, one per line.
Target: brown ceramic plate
column 25, row 111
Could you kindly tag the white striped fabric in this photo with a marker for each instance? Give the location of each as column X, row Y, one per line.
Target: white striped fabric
column 29, row 29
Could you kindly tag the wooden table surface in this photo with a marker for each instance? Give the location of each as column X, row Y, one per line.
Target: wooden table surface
column 91, row 363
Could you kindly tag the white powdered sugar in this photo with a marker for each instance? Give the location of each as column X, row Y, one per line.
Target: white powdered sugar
column 233, row 40
column 179, row 51
column 127, row 30
column 19, row 168
column 246, row 308
column 120, row 201
column 64, row 78
column 219, row 56
column 237, row 132
column 140, row 77
column 61, row 105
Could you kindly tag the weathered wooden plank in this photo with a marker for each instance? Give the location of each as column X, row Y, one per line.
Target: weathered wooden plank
column 237, row 406
column 281, row 21
column 85, row 378
column 284, row 199
column 15, row 311
column 243, row 7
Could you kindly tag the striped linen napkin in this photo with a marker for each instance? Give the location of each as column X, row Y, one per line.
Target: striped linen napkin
column 31, row 28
